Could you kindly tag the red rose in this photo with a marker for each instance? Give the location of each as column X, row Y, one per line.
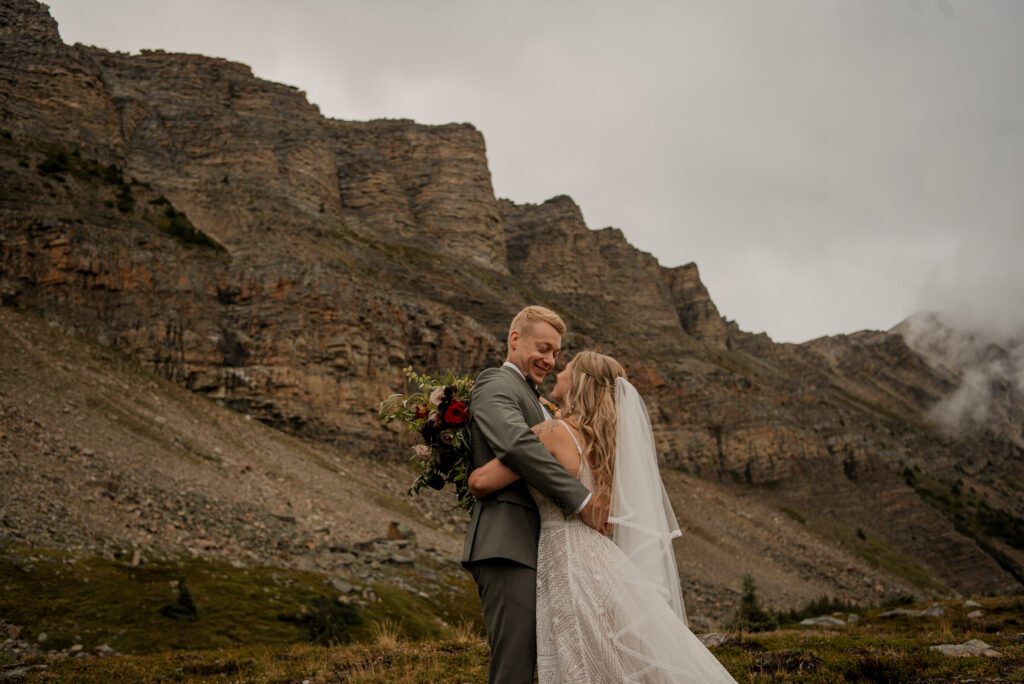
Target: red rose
column 421, row 411
column 456, row 413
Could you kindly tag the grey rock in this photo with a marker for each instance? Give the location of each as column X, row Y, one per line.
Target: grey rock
column 976, row 614
column 713, row 639
column 971, row 604
column 15, row 675
column 400, row 558
column 104, row 651
column 822, row 620
column 42, row 637
column 19, row 673
column 974, row 647
column 852, row 618
column 346, row 558
column 935, row 611
column 342, row 586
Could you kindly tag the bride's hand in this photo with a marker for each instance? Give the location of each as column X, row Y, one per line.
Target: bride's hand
column 490, row 477
column 595, row 513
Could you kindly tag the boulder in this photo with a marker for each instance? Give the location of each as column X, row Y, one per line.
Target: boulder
column 400, row 558
column 974, row 647
column 822, row 620
column 713, row 639
column 342, row 586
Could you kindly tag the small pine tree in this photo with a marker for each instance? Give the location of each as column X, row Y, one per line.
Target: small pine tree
column 184, row 608
column 750, row 616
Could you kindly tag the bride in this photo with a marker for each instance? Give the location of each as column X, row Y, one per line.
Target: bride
column 608, row 610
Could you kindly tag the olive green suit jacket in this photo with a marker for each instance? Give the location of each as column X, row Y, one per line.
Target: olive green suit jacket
column 506, row 524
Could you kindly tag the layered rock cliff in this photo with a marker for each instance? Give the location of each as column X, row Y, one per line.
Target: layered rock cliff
column 217, row 228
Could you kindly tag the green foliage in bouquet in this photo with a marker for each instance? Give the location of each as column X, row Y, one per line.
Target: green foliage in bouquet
column 438, row 412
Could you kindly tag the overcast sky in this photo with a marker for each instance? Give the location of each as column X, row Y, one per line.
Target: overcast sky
column 831, row 165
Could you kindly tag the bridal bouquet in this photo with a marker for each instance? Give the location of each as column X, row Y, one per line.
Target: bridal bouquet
column 439, row 413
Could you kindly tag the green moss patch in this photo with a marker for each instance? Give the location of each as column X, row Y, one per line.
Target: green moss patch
column 177, row 225
column 881, row 554
column 972, row 517
column 195, row 604
column 873, row 650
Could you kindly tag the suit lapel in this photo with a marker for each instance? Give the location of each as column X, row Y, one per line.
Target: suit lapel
column 527, row 399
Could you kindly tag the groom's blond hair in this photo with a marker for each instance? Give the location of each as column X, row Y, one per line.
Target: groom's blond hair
column 526, row 318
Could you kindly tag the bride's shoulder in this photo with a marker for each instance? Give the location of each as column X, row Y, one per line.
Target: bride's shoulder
column 547, row 427
column 559, row 441
column 552, row 433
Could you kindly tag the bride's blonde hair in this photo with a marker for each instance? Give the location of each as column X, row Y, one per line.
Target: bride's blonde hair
column 590, row 400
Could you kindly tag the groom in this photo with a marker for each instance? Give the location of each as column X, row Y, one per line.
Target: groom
column 501, row 542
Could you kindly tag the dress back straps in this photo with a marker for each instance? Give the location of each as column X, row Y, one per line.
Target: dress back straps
column 576, row 441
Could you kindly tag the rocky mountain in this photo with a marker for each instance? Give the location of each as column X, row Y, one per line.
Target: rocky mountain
column 219, row 231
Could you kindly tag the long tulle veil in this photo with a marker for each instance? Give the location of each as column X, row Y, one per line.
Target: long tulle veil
column 640, row 509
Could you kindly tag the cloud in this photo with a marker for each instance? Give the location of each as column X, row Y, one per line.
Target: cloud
column 824, row 163
column 986, row 363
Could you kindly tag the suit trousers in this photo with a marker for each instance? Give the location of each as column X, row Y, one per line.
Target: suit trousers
column 508, row 592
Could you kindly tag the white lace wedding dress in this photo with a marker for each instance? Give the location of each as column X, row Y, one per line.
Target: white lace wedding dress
column 598, row 621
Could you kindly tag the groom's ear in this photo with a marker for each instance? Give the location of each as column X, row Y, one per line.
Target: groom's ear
column 514, row 338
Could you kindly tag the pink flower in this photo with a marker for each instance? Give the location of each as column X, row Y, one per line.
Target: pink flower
column 421, row 451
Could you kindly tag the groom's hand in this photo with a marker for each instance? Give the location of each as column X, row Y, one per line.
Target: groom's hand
column 595, row 513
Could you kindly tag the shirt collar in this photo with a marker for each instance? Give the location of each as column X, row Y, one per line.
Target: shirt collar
column 515, row 368
column 529, row 382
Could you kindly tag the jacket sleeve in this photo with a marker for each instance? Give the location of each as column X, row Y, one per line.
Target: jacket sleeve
column 501, row 422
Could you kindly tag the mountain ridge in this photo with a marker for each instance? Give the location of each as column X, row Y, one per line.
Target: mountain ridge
column 351, row 250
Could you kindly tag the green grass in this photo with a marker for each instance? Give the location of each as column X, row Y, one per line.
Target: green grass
column 397, row 253
column 873, row 650
column 93, row 600
column 452, row 659
column 881, row 554
column 57, row 163
column 972, row 517
column 97, row 600
column 177, row 225
column 795, row 515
